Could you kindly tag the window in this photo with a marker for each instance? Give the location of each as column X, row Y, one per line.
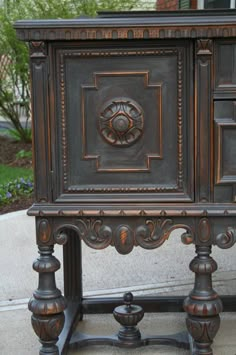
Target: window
column 216, row 4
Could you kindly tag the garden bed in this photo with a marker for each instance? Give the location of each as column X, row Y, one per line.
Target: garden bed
column 10, row 159
column 9, row 149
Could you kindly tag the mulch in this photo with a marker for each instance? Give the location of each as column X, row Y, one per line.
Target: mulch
column 8, row 150
column 21, row 204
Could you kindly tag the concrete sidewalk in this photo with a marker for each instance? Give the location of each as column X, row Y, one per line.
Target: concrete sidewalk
column 161, row 271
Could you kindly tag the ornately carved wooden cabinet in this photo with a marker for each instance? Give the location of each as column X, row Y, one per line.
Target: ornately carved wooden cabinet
column 134, row 130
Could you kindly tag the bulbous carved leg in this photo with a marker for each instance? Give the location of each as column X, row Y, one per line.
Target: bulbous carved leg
column 203, row 304
column 47, row 303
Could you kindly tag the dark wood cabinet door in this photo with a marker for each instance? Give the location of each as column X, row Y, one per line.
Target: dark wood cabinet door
column 124, row 122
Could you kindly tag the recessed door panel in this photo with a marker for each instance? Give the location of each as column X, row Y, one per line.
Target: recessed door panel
column 125, row 124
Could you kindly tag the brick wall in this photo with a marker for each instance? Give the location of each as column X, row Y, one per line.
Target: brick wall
column 167, row 5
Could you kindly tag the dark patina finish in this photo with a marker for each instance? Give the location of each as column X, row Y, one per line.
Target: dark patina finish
column 134, row 131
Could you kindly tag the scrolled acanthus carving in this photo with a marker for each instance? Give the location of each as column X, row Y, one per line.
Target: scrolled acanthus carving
column 94, row 233
column 121, row 122
column 154, row 233
column 227, row 239
column 97, row 235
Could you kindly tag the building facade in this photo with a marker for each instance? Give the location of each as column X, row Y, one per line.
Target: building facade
column 163, row 5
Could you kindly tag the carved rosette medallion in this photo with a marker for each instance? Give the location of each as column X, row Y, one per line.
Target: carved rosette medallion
column 121, row 122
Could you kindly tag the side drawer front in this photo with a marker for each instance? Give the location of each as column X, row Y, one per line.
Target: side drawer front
column 225, row 150
column 225, row 68
column 225, row 121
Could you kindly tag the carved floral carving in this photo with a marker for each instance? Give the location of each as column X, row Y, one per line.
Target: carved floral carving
column 121, row 122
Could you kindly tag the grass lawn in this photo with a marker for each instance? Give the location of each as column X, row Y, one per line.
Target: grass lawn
column 8, row 173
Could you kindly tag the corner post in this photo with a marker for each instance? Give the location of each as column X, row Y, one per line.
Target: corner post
column 47, row 303
column 204, row 119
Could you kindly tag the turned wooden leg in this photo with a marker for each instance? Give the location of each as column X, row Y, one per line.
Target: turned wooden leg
column 203, row 304
column 47, row 303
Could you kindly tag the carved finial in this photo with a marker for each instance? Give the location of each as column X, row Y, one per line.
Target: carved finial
column 128, row 299
column 128, row 316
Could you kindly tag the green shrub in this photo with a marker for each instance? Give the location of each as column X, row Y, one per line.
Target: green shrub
column 17, row 135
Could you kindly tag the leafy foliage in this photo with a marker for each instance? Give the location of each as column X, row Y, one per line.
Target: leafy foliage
column 14, row 72
column 17, row 135
column 23, row 154
column 15, row 189
column 14, row 77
